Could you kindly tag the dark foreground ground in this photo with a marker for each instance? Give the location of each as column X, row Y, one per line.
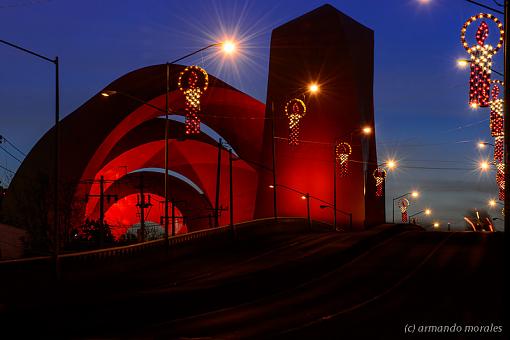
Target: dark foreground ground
column 380, row 284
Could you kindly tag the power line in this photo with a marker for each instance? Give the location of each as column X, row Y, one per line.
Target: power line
column 10, row 154
column 8, row 170
column 3, row 138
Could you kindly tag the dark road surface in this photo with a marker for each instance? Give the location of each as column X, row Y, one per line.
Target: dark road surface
column 364, row 285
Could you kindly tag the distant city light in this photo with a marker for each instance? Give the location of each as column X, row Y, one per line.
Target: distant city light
column 492, row 203
column 428, row 211
column 415, row 194
column 436, row 225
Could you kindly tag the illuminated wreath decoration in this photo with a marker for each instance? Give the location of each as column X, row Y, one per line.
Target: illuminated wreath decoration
column 481, row 58
column 193, row 81
column 379, row 175
column 403, row 204
column 295, row 109
column 342, row 151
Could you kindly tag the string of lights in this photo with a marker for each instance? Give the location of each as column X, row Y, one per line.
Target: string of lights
column 193, row 81
column 481, row 58
column 342, row 152
column 295, row 110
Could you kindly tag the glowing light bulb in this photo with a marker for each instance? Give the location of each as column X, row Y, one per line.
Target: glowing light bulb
column 391, row 164
column 462, row 63
column 313, row 88
column 228, row 47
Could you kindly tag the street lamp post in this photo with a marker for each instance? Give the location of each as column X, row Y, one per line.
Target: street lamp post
column 413, row 194
column 366, row 131
column 55, row 62
column 426, row 211
column 228, row 47
column 304, row 195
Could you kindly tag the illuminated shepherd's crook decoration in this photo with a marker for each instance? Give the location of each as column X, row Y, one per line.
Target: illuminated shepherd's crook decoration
column 295, row 109
column 497, row 123
column 403, row 204
column 500, row 179
column 379, row 175
column 481, row 59
column 343, row 150
column 193, row 82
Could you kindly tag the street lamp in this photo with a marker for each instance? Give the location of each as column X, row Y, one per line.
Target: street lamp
column 484, row 165
column 463, row 63
column 366, row 131
column 303, row 195
column 228, row 47
column 56, row 149
column 425, row 211
column 313, row 88
column 413, row 193
column 482, row 144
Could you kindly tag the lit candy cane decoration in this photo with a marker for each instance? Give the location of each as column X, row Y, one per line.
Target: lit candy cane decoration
column 403, row 204
column 193, row 82
column 481, row 59
column 295, row 109
column 497, row 122
column 343, row 150
column 500, row 179
column 379, row 175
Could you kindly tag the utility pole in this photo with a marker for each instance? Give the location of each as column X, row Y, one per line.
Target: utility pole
column 231, row 209
column 273, row 127
column 142, row 205
column 307, row 196
column 334, row 187
column 173, row 217
column 101, row 197
column 101, row 211
column 218, row 177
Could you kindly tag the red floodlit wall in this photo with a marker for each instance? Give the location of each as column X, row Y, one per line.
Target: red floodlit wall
column 327, row 47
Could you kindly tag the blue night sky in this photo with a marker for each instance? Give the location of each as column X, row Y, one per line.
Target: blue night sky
column 422, row 116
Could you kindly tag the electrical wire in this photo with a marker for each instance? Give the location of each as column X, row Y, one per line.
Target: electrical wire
column 8, row 170
column 10, row 154
column 2, row 137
